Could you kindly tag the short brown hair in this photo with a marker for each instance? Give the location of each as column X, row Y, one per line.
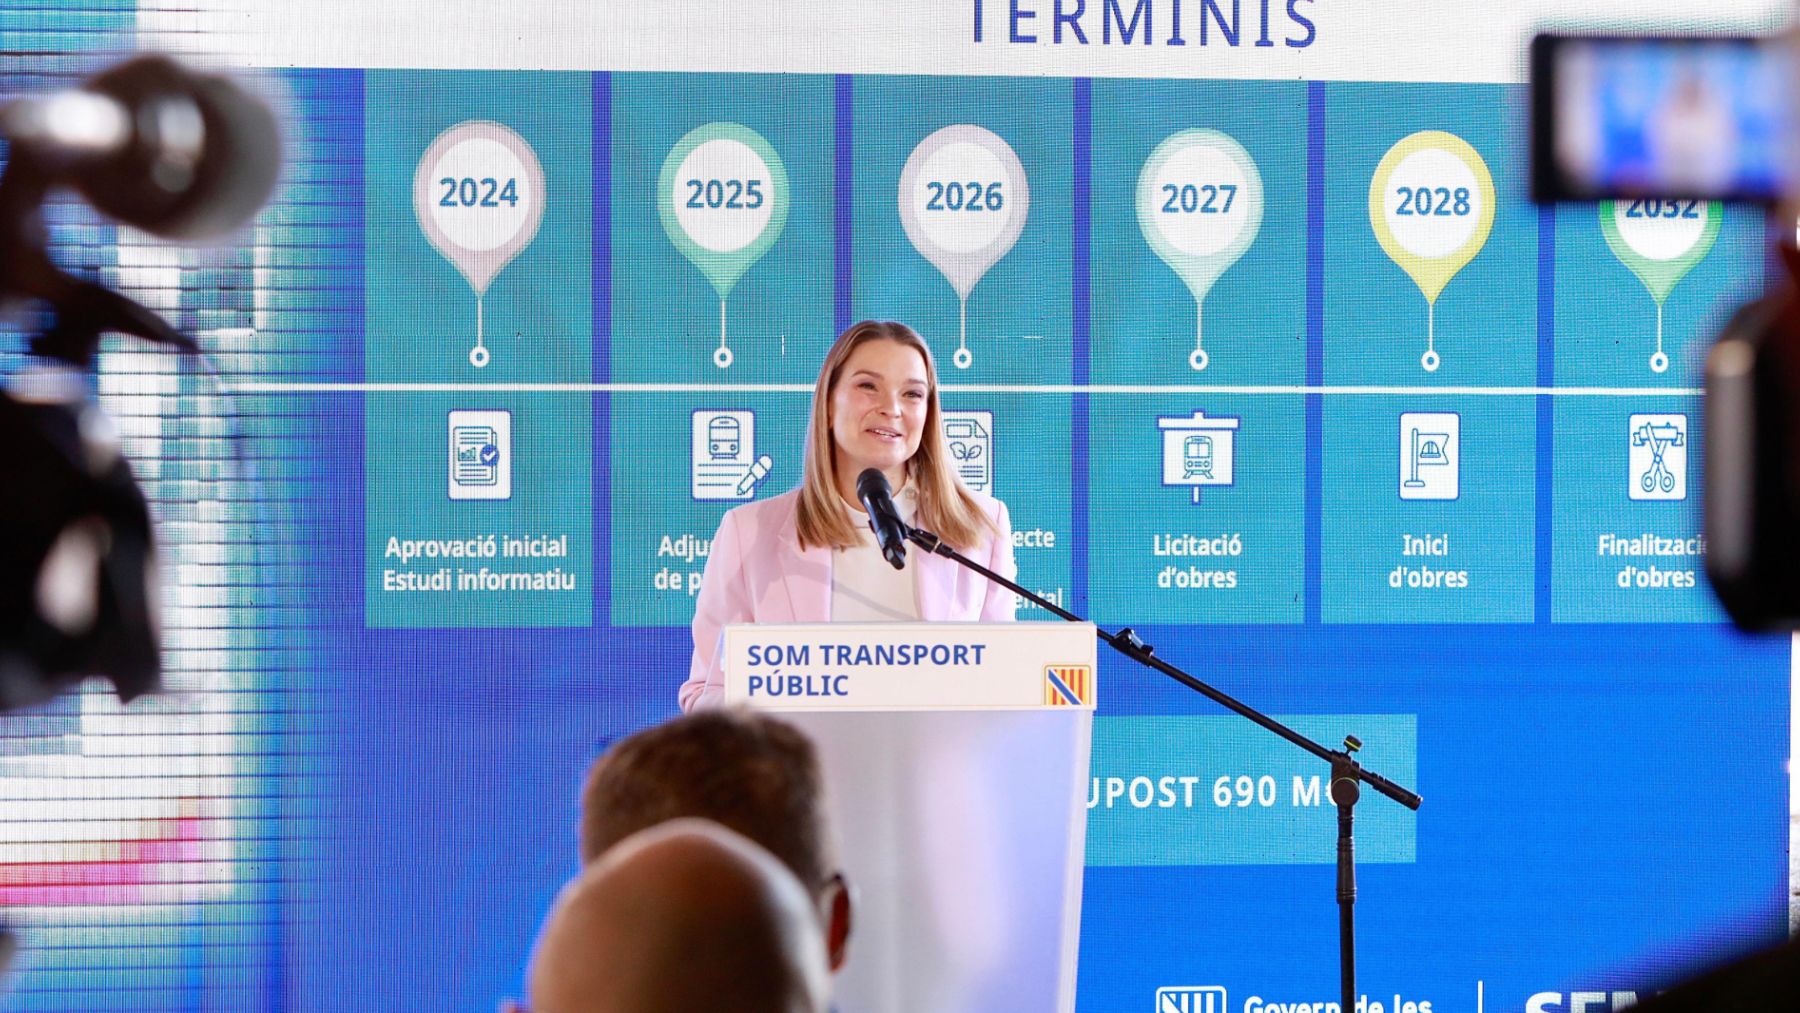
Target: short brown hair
column 747, row 771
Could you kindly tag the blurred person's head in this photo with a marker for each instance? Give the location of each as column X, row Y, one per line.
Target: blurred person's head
column 684, row 916
column 745, row 771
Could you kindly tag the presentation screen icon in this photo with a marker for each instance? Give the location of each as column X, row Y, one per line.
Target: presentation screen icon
column 969, row 436
column 1658, row 456
column 1430, row 455
column 725, row 465
column 1198, row 451
column 481, row 455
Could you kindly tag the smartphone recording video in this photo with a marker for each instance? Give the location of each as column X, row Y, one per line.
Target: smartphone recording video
column 1694, row 117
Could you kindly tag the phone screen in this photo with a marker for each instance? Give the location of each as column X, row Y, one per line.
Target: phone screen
column 1659, row 116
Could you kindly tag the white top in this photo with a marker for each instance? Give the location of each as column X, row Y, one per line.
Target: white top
column 865, row 588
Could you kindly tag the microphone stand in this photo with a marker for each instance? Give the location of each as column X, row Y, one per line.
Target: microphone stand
column 81, row 310
column 1347, row 775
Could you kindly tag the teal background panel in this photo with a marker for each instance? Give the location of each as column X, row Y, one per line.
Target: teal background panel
column 665, row 311
column 652, row 496
column 407, row 464
column 1592, row 498
column 1019, row 312
column 1255, row 313
column 1130, row 510
column 1606, row 319
column 420, row 324
column 1490, row 526
column 420, row 313
column 1375, row 315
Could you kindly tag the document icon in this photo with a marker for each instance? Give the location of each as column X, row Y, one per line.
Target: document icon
column 723, row 456
column 969, row 436
column 481, row 455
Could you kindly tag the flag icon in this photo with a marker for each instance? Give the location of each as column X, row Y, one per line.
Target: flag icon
column 1068, row 685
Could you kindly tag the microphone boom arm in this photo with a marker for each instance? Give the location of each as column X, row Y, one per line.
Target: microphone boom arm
column 83, row 310
column 1346, row 772
column 1128, row 643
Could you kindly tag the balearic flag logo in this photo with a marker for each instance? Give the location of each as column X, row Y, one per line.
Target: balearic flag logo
column 1068, row 685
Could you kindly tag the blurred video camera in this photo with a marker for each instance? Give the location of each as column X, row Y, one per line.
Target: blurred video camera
column 1666, row 121
column 160, row 147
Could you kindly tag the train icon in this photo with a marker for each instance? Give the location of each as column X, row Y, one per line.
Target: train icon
column 1198, row 451
column 1196, row 457
column 724, row 464
column 724, row 435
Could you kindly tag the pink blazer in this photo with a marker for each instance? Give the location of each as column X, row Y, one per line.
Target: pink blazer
column 757, row 573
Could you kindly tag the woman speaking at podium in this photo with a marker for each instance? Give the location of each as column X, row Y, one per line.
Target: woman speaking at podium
column 808, row 556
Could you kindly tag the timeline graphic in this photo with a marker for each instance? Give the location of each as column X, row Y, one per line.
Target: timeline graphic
column 1199, row 199
column 723, row 199
column 963, row 201
column 479, row 196
column 1431, row 203
column 1200, row 204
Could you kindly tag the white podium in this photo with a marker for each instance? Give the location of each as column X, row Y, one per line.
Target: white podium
column 956, row 767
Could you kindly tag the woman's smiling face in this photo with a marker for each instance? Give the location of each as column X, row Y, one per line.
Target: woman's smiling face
column 878, row 411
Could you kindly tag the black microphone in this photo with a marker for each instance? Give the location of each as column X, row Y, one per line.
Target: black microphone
column 884, row 519
column 155, row 145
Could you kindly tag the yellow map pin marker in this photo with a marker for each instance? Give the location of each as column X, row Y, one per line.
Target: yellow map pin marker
column 1431, row 203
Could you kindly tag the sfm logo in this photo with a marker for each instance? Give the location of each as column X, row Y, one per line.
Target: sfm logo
column 1191, row 999
column 1580, row 1002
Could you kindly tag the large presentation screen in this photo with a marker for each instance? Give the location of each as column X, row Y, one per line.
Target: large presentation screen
column 1241, row 309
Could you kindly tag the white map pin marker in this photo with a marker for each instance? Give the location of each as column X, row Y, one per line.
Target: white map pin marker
column 1200, row 206
column 479, row 196
column 963, row 202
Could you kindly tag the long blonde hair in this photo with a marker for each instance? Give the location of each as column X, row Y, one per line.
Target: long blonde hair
column 945, row 505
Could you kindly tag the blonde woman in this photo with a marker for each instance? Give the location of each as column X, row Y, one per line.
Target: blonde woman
column 807, row 556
